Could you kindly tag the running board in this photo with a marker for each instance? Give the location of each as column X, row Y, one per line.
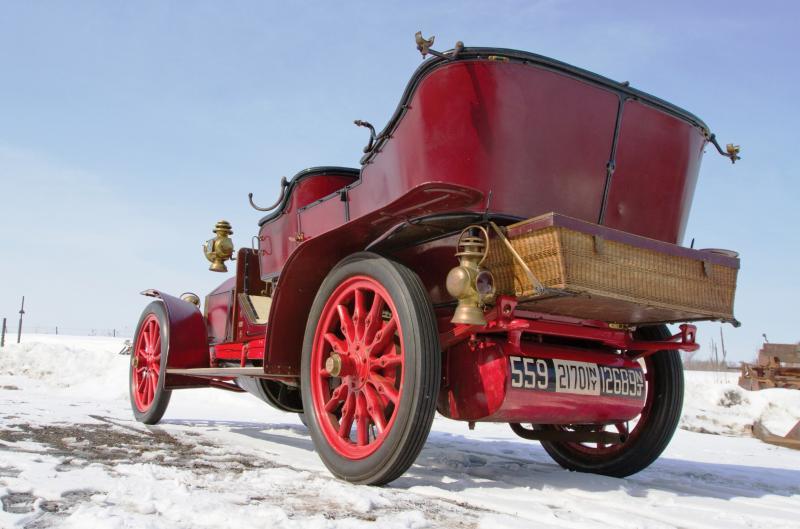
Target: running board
column 221, row 372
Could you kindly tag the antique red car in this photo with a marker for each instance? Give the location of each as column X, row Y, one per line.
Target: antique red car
column 508, row 251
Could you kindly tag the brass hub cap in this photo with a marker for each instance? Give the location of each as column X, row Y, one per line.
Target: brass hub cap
column 333, row 365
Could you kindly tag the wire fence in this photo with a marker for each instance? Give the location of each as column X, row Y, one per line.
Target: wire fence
column 118, row 332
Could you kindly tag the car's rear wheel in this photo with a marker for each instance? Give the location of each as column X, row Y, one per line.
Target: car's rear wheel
column 644, row 438
column 149, row 398
column 371, row 369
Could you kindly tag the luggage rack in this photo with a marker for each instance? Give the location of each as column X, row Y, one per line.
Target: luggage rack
column 561, row 265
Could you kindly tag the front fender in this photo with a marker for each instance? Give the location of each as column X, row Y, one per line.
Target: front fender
column 186, row 332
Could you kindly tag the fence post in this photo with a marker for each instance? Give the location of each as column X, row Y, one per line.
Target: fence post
column 56, row 330
column 21, row 312
column 3, row 334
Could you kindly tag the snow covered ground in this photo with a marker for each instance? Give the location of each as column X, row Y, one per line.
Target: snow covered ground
column 71, row 455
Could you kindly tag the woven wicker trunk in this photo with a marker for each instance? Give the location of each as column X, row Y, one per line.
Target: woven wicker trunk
column 593, row 272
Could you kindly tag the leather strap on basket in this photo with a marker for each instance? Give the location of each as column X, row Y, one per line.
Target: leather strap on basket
column 537, row 285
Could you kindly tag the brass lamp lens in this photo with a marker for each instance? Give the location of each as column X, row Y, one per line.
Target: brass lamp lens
column 458, row 280
column 484, row 284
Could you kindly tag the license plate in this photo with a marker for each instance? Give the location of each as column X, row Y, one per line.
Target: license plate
column 577, row 378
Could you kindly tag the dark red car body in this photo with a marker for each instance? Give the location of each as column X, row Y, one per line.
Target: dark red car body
column 492, row 134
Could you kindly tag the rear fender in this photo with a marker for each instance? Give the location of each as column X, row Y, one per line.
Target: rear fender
column 186, row 338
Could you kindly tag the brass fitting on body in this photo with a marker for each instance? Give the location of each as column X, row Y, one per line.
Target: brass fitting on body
column 191, row 297
column 220, row 248
column 470, row 284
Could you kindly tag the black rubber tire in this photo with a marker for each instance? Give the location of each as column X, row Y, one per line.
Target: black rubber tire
column 162, row 395
column 654, row 438
column 421, row 376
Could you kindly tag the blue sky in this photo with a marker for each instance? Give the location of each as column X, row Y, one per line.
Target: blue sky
column 128, row 129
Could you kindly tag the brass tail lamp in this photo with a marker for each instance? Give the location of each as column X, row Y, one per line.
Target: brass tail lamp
column 469, row 283
column 220, row 248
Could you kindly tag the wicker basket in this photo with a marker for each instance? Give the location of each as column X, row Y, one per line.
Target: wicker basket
column 594, row 272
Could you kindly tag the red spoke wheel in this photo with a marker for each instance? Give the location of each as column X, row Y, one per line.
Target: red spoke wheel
column 642, row 439
column 371, row 368
column 149, row 398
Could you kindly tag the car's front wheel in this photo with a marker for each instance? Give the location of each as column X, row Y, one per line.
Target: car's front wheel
column 149, row 398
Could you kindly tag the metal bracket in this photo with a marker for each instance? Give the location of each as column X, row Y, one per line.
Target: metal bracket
column 685, row 340
column 372, row 135
column 731, row 151
column 577, row 436
column 284, row 185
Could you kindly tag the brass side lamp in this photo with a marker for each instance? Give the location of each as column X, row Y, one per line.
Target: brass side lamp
column 220, row 248
column 471, row 284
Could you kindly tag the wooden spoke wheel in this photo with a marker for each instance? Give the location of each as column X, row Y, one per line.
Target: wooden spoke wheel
column 148, row 396
column 371, row 368
column 641, row 440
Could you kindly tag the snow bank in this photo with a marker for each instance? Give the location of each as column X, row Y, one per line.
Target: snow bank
column 83, row 364
column 715, row 404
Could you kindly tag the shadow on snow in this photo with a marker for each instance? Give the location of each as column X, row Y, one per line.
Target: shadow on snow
column 455, row 463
